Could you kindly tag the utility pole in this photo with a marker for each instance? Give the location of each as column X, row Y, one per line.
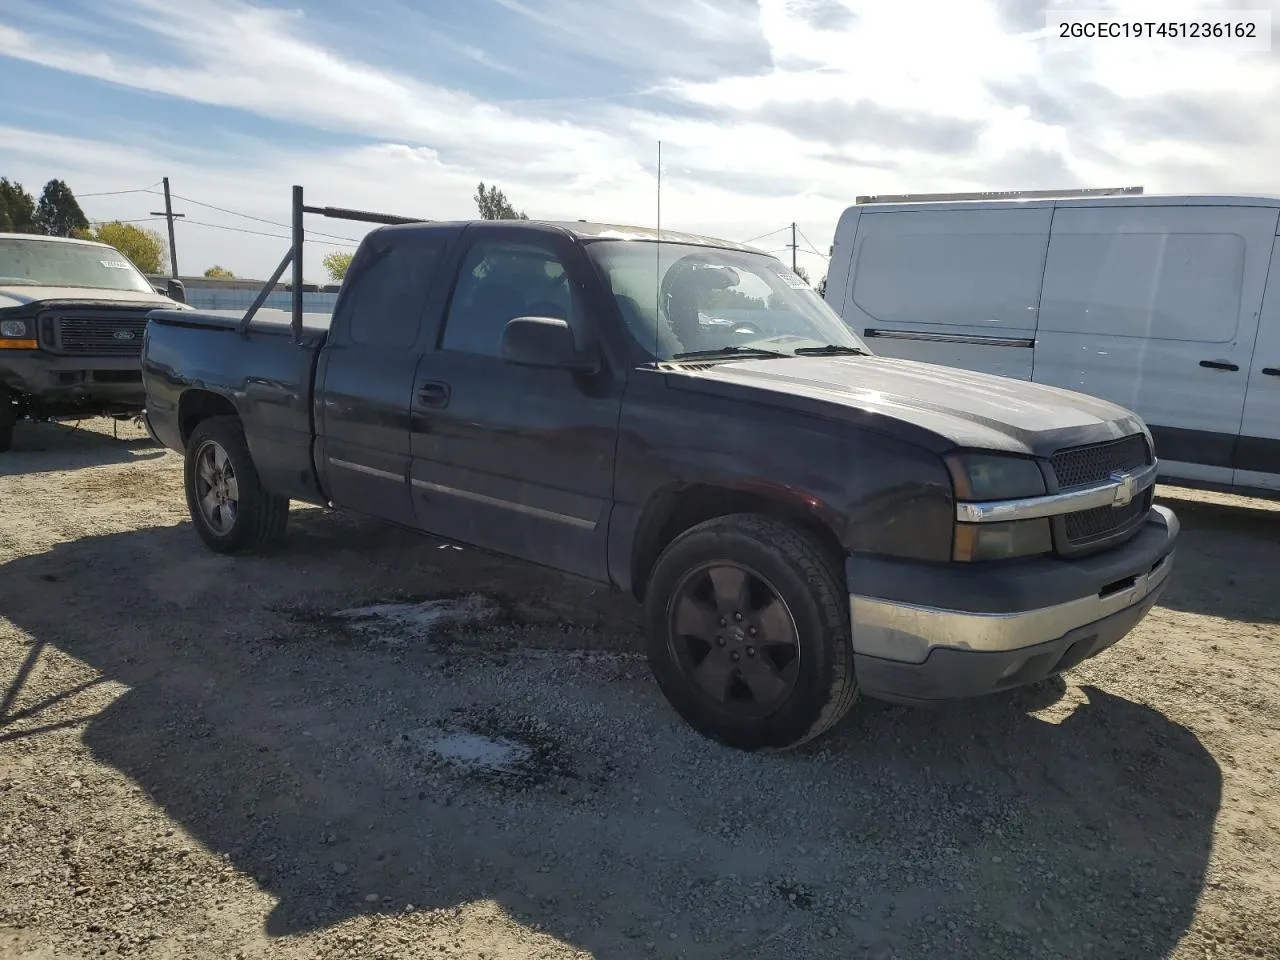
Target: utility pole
column 793, row 245
column 169, row 215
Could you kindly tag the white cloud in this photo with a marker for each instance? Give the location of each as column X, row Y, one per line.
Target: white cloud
column 796, row 107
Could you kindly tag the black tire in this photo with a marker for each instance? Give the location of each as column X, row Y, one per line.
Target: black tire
column 777, row 557
column 8, row 417
column 251, row 521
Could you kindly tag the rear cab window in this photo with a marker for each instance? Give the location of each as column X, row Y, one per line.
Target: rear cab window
column 388, row 286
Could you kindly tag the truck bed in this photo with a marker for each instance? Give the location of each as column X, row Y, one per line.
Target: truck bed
column 265, row 320
column 201, row 357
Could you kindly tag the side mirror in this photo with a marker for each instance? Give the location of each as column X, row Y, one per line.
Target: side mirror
column 176, row 290
column 544, row 342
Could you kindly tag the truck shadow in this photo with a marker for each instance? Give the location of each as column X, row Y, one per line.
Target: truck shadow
column 975, row 830
column 1228, row 553
column 49, row 447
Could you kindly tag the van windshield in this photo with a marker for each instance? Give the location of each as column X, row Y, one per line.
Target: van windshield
column 52, row 263
column 683, row 299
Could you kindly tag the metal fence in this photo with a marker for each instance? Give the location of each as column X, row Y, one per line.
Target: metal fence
column 208, row 298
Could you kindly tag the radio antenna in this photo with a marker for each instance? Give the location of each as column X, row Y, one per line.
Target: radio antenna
column 657, row 264
column 659, row 189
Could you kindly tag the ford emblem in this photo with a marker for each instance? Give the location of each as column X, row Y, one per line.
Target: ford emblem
column 123, row 334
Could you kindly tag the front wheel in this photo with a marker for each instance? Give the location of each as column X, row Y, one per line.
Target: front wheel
column 747, row 624
column 230, row 508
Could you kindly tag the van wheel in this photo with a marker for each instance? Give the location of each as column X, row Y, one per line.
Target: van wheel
column 8, row 417
column 747, row 624
column 231, row 510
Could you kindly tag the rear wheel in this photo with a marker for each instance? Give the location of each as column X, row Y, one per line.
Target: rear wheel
column 231, row 510
column 747, row 625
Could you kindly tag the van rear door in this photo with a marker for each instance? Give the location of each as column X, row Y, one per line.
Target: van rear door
column 1155, row 307
column 958, row 287
column 1257, row 459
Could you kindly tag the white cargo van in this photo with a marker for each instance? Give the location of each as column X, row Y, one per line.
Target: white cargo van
column 1168, row 305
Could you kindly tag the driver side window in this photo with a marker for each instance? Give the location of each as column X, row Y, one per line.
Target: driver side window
column 499, row 281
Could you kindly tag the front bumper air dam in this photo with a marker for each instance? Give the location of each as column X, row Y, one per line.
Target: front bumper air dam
column 1026, row 622
column 53, row 380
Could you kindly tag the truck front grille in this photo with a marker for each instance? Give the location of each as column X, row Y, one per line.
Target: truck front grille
column 108, row 335
column 1094, row 529
column 1089, row 526
column 1081, row 466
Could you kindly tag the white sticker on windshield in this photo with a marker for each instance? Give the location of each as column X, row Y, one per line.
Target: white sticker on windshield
column 791, row 280
column 115, row 264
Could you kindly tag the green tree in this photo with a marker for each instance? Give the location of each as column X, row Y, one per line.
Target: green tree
column 145, row 248
column 821, row 288
column 219, row 273
column 58, row 214
column 337, row 264
column 494, row 205
column 17, row 208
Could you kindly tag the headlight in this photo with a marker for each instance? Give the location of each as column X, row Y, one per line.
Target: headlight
column 981, row 476
column 1002, row 541
column 17, row 334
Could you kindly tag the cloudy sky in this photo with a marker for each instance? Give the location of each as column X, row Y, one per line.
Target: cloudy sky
column 769, row 110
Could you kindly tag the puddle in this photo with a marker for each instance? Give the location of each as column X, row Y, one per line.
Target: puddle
column 473, row 751
column 491, row 747
column 399, row 623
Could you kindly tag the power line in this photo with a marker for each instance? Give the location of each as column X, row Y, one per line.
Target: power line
column 763, row 235
column 259, row 233
column 222, row 226
column 812, row 248
column 248, row 216
column 116, row 193
column 139, row 220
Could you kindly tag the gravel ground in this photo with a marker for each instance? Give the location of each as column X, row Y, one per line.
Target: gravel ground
column 373, row 745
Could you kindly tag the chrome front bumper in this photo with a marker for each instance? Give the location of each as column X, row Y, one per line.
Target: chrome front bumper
column 991, row 628
column 909, row 633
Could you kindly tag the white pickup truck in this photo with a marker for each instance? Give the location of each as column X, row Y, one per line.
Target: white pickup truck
column 72, row 317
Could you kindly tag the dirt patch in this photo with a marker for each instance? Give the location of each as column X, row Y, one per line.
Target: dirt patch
column 204, row 757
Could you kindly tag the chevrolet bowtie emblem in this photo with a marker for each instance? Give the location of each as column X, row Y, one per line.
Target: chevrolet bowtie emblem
column 1124, row 488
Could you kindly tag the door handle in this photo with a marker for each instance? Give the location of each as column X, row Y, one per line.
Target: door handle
column 1219, row 365
column 433, row 393
column 1271, row 371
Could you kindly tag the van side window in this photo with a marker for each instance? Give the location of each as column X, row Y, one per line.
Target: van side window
column 384, row 305
column 502, row 280
column 965, row 278
column 1157, row 285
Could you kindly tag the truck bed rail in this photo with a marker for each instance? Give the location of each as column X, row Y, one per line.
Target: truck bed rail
column 294, row 256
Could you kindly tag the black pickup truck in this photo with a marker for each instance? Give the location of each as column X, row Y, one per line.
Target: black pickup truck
column 72, row 317
column 684, row 419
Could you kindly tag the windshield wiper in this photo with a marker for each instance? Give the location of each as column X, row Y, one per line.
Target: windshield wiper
column 728, row 352
column 830, row 350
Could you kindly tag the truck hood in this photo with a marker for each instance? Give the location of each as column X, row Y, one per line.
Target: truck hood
column 21, row 295
column 942, row 407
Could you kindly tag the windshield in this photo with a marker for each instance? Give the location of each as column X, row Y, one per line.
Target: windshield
column 49, row 263
column 680, row 299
